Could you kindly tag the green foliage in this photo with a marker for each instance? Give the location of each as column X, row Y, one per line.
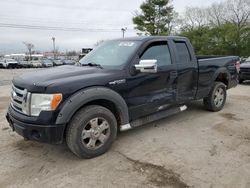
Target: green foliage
column 155, row 18
column 226, row 39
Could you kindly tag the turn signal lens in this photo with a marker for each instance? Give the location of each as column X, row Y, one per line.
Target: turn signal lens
column 57, row 98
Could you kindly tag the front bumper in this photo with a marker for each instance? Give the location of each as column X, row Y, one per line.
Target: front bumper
column 244, row 76
column 52, row 134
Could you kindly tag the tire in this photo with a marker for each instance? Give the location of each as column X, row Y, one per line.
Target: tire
column 84, row 134
column 216, row 98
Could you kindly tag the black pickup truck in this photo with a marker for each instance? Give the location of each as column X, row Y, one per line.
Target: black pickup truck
column 119, row 85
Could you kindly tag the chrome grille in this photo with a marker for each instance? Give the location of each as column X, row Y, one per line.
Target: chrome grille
column 20, row 99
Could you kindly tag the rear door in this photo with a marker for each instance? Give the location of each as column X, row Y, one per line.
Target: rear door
column 152, row 92
column 187, row 70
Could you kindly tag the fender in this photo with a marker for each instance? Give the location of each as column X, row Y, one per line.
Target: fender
column 219, row 71
column 76, row 101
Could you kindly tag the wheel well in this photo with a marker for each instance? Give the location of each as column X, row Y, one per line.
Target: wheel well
column 222, row 77
column 101, row 102
column 107, row 104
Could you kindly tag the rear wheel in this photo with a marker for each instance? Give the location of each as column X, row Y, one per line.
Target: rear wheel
column 91, row 131
column 216, row 99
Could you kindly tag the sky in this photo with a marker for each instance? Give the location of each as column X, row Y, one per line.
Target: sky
column 75, row 24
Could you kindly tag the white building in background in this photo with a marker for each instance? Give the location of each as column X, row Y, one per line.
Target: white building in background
column 22, row 57
column 36, row 56
column 15, row 56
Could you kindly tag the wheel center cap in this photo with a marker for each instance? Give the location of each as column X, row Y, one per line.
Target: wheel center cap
column 95, row 133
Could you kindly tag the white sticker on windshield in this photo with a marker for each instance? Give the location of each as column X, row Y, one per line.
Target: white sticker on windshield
column 126, row 44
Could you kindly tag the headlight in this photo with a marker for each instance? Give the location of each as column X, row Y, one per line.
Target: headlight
column 44, row 102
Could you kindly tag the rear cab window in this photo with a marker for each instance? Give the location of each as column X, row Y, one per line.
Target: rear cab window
column 183, row 52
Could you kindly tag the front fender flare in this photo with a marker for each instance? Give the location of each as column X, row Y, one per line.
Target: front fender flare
column 82, row 97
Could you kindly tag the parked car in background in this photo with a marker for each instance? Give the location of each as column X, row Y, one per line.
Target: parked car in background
column 47, row 63
column 243, row 59
column 9, row 63
column 1, row 63
column 25, row 64
column 244, row 71
column 69, row 62
column 57, row 62
column 36, row 64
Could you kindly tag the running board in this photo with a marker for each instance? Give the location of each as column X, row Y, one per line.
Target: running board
column 153, row 117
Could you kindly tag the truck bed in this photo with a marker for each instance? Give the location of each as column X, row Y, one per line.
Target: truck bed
column 208, row 68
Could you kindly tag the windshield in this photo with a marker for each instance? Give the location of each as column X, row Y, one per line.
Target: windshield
column 46, row 61
column 111, row 54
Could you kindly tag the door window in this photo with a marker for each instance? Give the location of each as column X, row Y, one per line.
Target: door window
column 158, row 51
column 183, row 52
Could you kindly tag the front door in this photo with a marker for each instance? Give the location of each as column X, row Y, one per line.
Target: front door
column 152, row 92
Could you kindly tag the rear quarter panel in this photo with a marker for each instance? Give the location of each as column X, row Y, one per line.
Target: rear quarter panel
column 209, row 70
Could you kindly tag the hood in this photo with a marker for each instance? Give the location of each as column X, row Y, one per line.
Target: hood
column 66, row 77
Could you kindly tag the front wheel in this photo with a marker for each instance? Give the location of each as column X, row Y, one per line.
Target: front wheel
column 216, row 98
column 91, row 131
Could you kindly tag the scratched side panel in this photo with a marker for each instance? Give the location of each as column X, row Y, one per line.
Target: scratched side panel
column 149, row 93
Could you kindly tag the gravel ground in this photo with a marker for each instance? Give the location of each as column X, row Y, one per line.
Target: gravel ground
column 195, row 148
column 6, row 75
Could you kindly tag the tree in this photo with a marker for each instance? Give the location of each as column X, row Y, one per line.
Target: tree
column 155, row 17
column 219, row 29
column 216, row 14
column 29, row 46
column 195, row 17
column 71, row 53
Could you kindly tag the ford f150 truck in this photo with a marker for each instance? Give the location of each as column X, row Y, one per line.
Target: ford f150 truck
column 119, row 85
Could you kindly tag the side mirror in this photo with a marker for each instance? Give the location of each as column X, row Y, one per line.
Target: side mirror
column 149, row 66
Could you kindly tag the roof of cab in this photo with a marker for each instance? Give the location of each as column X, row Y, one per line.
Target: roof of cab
column 146, row 38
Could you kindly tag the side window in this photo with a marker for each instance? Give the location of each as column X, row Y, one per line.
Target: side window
column 158, row 51
column 183, row 52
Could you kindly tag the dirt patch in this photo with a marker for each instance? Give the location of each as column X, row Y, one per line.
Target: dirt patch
column 224, row 128
column 213, row 150
column 229, row 129
column 247, row 137
column 25, row 145
column 5, row 128
column 4, row 102
column 156, row 174
column 240, row 97
column 230, row 116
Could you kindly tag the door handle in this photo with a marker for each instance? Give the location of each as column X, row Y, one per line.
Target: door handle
column 173, row 74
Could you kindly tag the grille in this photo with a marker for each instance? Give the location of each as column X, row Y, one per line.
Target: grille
column 244, row 69
column 20, row 99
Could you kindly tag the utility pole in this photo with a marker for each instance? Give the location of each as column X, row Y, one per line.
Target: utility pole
column 123, row 31
column 54, row 46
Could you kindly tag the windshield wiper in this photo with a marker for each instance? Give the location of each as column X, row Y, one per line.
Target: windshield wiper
column 93, row 65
